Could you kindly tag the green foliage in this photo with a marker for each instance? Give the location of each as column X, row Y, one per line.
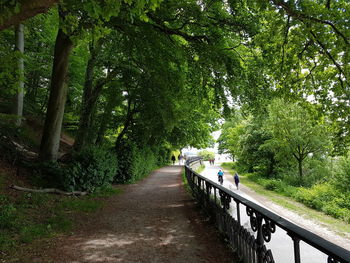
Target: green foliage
column 342, row 174
column 327, row 198
column 296, row 131
column 207, row 155
column 135, row 163
column 324, row 196
column 92, row 167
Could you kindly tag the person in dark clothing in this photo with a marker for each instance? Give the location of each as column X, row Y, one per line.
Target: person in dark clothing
column 236, row 178
column 173, row 158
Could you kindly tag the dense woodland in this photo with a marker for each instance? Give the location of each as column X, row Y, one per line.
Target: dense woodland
column 133, row 80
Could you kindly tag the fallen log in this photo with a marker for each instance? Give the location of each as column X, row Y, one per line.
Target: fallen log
column 48, row 190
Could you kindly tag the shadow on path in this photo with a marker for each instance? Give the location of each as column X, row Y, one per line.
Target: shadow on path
column 154, row 220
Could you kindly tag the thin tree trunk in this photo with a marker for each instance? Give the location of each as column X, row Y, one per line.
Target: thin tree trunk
column 88, row 102
column 57, row 98
column 300, row 168
column 128, row 120
column 18, row 102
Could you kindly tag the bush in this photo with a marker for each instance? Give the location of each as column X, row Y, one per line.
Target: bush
column 136, row 162
column 325, row 197
column 92, row 167
column 342, row 174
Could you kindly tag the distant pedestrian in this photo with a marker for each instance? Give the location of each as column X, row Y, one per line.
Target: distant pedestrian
column 236, row 178
column 180, row 157
column 173, row 158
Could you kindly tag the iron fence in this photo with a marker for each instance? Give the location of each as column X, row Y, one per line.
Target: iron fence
column 249, row 245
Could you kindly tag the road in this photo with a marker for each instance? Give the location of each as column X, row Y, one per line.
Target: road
column 280, row 244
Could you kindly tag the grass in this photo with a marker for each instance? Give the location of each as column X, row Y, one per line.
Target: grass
column 184, row 179
column 200, row 169
column 342, row 228
column 31, row 216
column 185, row 182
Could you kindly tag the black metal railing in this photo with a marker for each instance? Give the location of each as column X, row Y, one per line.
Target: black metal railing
column 249, row 244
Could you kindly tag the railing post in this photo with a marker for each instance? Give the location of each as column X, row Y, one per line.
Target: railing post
column 296, row 245
column 259, row 239
column 238, row 212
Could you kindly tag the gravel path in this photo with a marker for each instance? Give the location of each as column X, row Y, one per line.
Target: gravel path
column 152, row 221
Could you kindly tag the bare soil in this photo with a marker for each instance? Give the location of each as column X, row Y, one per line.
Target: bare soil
column 153, row 221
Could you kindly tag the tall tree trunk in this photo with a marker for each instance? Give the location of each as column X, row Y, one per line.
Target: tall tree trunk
column 89, row 100
column 57, row 98
column 18, row 102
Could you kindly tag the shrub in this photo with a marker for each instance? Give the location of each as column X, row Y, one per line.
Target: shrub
column 342, row 174
column 325, row 197
column 92, row 167
column 136, row 162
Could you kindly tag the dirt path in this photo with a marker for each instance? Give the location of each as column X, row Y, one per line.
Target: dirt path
column 152, row 221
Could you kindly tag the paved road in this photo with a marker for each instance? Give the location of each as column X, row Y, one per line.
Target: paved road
column 280, row 244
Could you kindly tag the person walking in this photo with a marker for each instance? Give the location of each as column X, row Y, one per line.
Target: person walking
column 236, row 178
column 173, row 158
column 180, row 159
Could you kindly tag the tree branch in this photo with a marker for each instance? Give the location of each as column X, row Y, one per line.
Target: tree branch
column 171, row 31
column 290, row 11
column 48, row 190
column 336, row 64
column 285, row 41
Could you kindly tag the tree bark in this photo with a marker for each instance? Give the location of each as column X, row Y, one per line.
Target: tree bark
column 300, row 168
column 28, row 8
column 48, row 190
column 57, row 98
column 128, row 120
column 18, row 101
column 88, row 102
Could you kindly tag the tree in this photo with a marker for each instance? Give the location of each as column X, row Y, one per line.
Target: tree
column 296, row 131
column 58, row 92
column 253, row 155
column 305, row 50
column 87, row 17
column 19, row 47
column 207, row 155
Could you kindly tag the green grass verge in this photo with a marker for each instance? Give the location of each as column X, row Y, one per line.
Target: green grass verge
column 200, row 169
column 185, row 182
